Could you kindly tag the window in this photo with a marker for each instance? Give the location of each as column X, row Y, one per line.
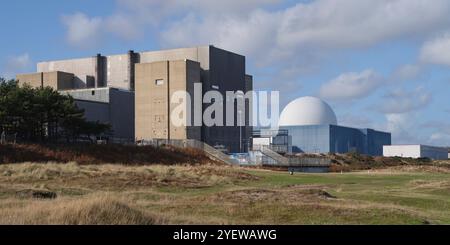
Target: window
column 159, row 82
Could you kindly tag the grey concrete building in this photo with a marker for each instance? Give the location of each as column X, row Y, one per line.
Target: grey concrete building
column 214, row 68
column 108, row 105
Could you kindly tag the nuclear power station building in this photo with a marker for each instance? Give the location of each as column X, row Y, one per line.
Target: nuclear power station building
column 132, row 91
column 309, row 125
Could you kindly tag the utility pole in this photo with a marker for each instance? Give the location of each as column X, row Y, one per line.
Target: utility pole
column 240, row 131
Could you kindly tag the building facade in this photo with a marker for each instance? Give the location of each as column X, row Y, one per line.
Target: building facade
column 337, row 139
column 309, row 125
column 108, row 105
column 154, row 76
column 416, row 151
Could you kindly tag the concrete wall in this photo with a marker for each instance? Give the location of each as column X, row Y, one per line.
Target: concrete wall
column 95, row 95
column 151, row 101
column 217, row 68
column 121, row 108
column 189, row 74
column 108, row 105
column 56, row 80
column 199, row 54
column 81, row 68
column 153, row 108
column 35, row 80
column 226, row 73
column 118, row 71
column 94, row 111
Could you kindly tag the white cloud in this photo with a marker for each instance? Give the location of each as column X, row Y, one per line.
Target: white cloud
column 441, row 134
column 440, row 139
column 82, row 31
column 158, row 10
column 270, row 34
column 349, row 86
column 402, row 112
column 402, row 127
column 316, row 26
column 402, row 101
column 406, row 72
column 16, row 64
column 123, row 27
column 356, row 121
column 437, row 51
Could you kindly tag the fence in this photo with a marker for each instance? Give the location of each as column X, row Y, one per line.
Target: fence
column 273, row 158
column 8, row 138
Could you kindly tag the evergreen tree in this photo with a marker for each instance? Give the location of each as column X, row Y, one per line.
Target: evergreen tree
column 43, row 114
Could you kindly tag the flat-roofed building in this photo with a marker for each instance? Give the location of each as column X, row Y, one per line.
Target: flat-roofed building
column 156, row 83
column 108, row 105
column 416, row 151
column 154, row 76
column 55, row 79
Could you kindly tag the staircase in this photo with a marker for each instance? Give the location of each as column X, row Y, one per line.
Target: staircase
column 215, row 154
column 275, row 156
column 291, row 162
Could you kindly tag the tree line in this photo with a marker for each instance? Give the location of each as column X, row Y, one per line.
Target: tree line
column 43, row 114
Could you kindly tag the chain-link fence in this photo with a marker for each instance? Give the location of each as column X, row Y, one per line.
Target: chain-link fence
column 8, row 138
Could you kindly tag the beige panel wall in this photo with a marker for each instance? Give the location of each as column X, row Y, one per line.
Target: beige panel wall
column 65, row 81
column 177, row 82
column 51, row 80
column 199, row 54
column 183, row 75
column 117, row 71
column 151, row 101
column 81, row 68
column 34, row 79
column 56, row 80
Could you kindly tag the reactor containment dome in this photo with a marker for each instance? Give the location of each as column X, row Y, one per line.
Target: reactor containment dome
column 307, row 111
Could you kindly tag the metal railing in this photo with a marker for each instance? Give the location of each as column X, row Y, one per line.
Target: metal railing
column 280, row 160
column 8, row 138
column 266, row 150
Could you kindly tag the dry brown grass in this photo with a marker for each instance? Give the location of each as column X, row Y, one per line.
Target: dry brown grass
column 113, row 176
column 93, row 210
column 212, row 194
column 412, row 169
column 101, row 154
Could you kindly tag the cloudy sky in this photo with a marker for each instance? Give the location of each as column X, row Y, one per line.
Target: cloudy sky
column 383, row 64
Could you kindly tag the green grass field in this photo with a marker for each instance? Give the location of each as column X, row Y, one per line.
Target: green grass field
column 115, row 194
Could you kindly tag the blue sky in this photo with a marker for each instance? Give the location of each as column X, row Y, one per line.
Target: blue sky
column 383, row 64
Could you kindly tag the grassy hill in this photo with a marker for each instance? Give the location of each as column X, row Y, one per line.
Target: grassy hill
column 100, row 154
column 212, row 194
column 111, row 184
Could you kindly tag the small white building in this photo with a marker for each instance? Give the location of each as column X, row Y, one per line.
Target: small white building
column 416, row 151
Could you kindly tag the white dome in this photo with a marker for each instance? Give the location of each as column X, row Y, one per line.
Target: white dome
column 307, row 111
